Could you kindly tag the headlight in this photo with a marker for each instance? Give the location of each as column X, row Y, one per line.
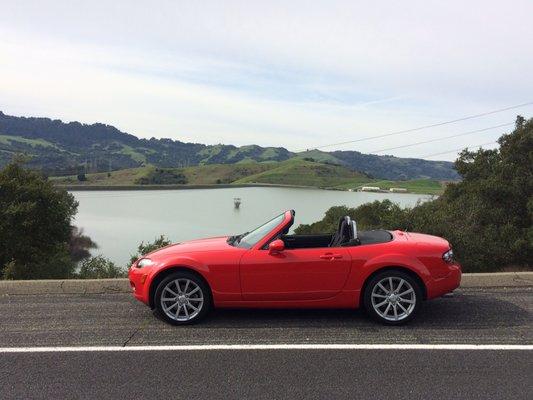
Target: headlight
column 448, row 256
column 144, row 262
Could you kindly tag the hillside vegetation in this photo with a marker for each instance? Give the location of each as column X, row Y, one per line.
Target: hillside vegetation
column 306, row 173
column 59, row 148
column 296, row 172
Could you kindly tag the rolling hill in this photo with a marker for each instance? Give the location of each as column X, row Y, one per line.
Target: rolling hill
column 295, row 172
column 59, row 148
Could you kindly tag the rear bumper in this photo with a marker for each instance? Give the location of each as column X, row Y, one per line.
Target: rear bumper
column 442, row 285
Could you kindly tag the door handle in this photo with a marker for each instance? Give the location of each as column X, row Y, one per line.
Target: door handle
column 330, row 256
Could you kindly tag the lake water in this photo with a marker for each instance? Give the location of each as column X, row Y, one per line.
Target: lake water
column 119, row 220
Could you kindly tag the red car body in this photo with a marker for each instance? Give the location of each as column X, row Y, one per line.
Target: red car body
column 324, row 277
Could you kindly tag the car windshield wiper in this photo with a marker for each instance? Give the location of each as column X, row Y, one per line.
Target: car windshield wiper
column 239, row 237
column 235, row 239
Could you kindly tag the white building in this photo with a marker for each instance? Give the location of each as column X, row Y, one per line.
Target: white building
column 370, row 189
column 398, row 190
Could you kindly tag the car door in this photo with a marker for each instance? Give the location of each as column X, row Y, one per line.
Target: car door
column 294, row 274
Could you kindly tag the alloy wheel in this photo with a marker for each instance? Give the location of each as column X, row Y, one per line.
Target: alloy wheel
column 182, row 299
column 393, row 298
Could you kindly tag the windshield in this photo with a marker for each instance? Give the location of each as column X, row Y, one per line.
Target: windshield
column 251, row 238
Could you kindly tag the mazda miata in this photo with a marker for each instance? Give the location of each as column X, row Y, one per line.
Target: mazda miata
column 389, row 273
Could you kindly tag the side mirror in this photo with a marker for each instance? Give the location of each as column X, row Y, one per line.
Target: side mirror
column 276, row 246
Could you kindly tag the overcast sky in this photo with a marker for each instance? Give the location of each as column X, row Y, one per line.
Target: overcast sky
column 297, row 74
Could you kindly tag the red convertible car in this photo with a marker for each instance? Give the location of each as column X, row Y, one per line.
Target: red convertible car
column 388, row 273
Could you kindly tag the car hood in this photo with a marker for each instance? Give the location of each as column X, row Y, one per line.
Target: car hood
column 209, row 244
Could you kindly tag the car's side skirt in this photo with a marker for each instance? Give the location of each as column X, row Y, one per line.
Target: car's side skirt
column 345, row 299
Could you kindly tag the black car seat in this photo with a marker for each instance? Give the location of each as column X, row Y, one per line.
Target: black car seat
column 354, row 236
column 343, row 233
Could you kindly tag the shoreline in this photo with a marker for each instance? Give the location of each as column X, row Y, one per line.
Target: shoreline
column 74, row 188
column 82, row 188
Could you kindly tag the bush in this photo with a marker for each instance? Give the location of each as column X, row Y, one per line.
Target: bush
column 487, row 216
column 163, row 176
column 50, row 263
column 99, row 267
column 35, row 225
column 145, row 248
column 368, row 216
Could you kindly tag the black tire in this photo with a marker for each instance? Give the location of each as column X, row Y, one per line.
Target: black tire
column 388, row 317
column 189, row 302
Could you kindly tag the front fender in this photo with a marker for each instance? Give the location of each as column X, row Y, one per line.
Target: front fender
column 184, row 260
column 142, row 280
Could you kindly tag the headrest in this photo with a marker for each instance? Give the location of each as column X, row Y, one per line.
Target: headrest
column 353, row 226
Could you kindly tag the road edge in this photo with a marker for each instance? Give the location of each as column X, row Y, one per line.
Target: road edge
column 102, row 286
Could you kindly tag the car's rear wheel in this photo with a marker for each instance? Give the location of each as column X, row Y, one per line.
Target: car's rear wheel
column 182, row 298
column 392, row 297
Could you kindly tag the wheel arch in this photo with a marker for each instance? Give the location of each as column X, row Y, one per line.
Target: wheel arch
column 408, row 271
column 158, row 278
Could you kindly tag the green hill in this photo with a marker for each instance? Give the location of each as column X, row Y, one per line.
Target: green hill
column 59, row 148
column 293, row 172
column 150, row 175
column 306, row 173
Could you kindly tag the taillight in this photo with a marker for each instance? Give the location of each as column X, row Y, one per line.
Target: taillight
column 448, row 257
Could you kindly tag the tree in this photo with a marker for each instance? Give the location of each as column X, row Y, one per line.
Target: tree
column 487, row 216
column 80, row 245
column 35, row 225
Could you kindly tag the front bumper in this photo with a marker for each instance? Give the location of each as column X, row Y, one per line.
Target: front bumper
column 140, row 283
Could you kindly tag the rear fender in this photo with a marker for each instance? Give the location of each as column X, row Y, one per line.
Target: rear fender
column 389, row 260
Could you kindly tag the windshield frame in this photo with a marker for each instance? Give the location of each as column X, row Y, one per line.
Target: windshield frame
column 286, row 217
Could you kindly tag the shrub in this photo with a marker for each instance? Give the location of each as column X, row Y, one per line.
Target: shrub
column 368, row 216
column 99, row 267
column 148, row 247
column 163, row 176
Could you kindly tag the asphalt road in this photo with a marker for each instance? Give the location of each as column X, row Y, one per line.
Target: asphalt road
column 494, row 316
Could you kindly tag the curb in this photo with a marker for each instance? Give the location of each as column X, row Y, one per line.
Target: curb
column 122, row 285
column 497, row 279
column 66, row 286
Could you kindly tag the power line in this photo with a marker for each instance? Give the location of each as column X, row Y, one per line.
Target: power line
column 419, row 128
column 442, row 138
column 456, row 150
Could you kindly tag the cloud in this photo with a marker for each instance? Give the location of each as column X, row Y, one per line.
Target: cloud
column 296, row 75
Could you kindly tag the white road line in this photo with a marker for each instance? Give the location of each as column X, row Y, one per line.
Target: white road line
column 207, row 347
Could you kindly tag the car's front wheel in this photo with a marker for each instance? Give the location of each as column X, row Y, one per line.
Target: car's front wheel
column 182, row 298
column 392, row 297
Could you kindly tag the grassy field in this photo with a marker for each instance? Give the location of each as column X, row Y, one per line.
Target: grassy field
column 306, row 173
column 5, row 139
column 295, row 172
column 120, row 177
